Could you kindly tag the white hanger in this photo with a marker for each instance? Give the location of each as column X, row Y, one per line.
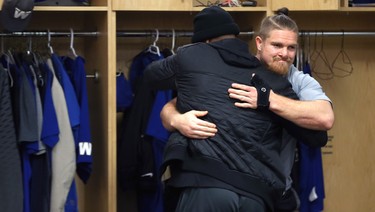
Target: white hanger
column 153, row 48
column 173, row 41
column 49, row 42
column 72, row 42
column 29, row 50
column 8, row 60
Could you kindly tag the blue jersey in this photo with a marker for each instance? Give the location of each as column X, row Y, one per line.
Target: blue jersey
column 50, row 128
column 124, row 93
column 311, row 179
column 77, row 74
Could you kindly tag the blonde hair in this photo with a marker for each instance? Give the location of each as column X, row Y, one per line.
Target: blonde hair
column 279, row 21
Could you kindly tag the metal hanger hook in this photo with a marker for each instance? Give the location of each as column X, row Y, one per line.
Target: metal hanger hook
column 173, row 40
column 49, row 41
column 157, row 36
column 72, row 42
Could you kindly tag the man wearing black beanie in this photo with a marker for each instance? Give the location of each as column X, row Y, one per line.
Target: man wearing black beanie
column 213, row 22
column 240, row 168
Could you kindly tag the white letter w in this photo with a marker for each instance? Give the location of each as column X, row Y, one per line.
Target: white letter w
column 85, row 148
column 21, row 14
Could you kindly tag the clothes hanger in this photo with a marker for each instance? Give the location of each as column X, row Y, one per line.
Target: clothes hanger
column 306, row 54
column 119, row 73
column 73, row 51
column 153, row 48
column 299, row 53
column 314, row 54
column 36, row 62
column 301, row 49
column 33, row 62
column 28, row 56
column 345, row 66
column 30, row 47
column 321, row 58
column 49, row 42
column 173, row 41
column 306, row 58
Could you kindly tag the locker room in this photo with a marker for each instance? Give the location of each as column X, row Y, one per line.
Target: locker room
column 110, row 38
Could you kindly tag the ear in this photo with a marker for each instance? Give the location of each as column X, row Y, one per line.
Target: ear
column 259, row 42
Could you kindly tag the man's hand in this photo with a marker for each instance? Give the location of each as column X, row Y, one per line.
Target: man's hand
column 247, row 95
column 190, row 125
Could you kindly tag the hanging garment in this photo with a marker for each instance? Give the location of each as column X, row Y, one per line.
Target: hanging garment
column 124, row 93
column 76, row 71
column 39, row 183
column 136, row 169
column 153, row 201
column 28, row 113
column 26, row 124
column 143, row 139
column 63, row 154
column 11, row 192
column 38, row 131
column 69, row 93
column 50, row 132
column 35, row 114
column 25, row 105
column 71, row 203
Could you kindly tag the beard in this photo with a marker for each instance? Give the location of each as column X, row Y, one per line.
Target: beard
column 280, row 66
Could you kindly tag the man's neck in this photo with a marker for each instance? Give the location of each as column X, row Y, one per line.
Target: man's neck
column 258, row 56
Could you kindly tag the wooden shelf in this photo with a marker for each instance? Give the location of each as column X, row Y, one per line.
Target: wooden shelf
column 147, row 5
column 306, row 5
column 357, row 9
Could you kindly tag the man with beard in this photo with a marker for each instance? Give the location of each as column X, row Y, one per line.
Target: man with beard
column 241, row 168
column 276, row 48
column 276, row 44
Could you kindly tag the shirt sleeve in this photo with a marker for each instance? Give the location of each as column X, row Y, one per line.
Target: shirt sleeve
column 305, row 86
column 161, row 74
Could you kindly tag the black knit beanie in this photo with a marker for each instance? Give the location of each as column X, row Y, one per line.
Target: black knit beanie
column 213, row 22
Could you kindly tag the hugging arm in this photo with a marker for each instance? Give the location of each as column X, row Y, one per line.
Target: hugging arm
column 313, row 114
column 189, row 124
column 312, row 138
column 161, row 74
